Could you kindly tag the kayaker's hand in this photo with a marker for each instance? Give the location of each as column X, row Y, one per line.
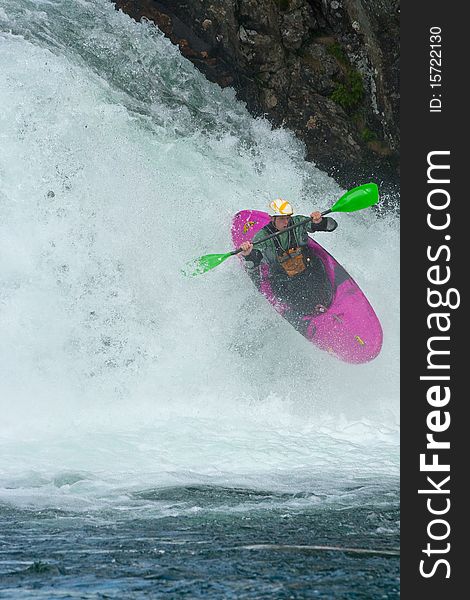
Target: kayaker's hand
column 316, row 217
column 246, row 248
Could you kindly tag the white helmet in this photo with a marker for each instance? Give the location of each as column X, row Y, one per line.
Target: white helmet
column 280, row 208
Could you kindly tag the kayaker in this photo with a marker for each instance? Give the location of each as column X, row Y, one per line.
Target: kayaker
column 298, row 277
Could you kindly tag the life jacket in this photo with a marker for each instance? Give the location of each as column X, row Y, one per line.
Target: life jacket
column 293, row 260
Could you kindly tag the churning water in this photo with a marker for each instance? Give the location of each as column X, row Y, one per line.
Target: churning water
column 162, row 434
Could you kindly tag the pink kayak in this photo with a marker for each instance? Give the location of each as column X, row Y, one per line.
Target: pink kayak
column 349, row 329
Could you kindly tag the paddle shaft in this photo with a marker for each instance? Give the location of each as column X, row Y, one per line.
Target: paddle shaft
column 283, row 231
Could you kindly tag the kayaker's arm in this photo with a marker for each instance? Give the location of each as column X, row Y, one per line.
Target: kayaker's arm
column 326, row 224
column 255, row 256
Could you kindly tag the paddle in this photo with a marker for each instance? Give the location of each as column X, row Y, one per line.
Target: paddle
column 358, row 198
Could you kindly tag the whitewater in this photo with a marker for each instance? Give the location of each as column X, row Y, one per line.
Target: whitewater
column 131, row 392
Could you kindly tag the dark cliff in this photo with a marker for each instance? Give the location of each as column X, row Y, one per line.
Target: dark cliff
column 326, row 69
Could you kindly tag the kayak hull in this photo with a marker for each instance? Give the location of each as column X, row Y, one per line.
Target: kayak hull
column 349, row 329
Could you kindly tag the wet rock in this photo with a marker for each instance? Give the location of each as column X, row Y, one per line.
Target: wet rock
column 328, row 69
column 295, row 28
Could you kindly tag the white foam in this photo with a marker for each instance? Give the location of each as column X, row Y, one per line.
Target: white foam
column 119, row 164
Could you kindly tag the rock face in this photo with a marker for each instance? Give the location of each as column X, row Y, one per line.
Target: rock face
column 326, row 69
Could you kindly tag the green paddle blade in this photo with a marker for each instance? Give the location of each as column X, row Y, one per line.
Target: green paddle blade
column 205, row 263
column 359, row 197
